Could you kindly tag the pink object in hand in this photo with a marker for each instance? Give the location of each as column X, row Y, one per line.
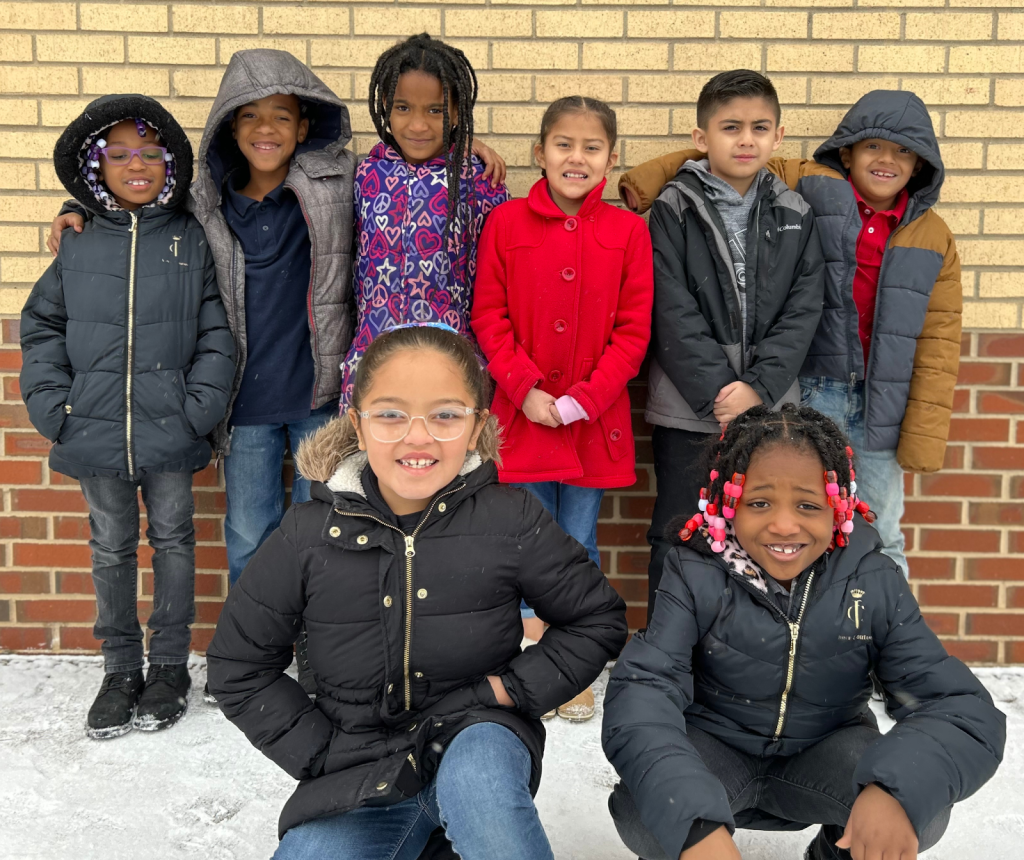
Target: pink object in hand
column 569, row 410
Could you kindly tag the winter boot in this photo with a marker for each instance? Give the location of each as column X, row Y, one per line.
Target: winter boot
column 113, row 710
column 208, row 697
column 165, row 699
column 823, row 846
column 579, row 709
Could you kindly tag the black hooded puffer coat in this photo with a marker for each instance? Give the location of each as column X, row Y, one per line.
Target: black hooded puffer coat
column 718, row 654
column 128, row 359
column 403, row 632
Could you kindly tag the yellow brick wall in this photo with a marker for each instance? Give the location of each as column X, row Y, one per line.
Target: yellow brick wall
column 648, row 58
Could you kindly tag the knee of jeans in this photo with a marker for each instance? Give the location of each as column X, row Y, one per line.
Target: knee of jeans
column 485, row 760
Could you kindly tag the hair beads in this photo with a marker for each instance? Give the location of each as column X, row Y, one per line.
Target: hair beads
column 91, row 167
column 759, row 427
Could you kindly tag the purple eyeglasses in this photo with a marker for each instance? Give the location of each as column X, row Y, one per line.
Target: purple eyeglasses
column 151, row 154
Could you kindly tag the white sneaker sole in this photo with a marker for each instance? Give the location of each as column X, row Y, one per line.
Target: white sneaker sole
column 110, row 731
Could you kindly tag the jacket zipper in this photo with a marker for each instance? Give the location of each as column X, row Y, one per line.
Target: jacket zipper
column 794, row 636
column 131, row 346
column 309, row 296
column 874, row 319
column 410, row 552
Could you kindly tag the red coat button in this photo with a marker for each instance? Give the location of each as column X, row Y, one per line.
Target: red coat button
column 560, row 326
column 615, row 435
column 555, row 375
column 570, row 224
column 568, row 273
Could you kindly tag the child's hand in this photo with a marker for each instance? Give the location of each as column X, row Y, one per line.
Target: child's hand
column 717, row 845
column 500, row 693
column 494, row 164
column 553, row 409
column 878, row 827
column 734, row 399
column 61, row 222
column 537, row 407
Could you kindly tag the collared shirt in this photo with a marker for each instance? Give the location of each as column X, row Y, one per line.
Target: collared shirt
column 277, row 383
column 874, row 236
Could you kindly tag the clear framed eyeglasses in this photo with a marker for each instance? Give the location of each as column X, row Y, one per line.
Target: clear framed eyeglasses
column 393, row 425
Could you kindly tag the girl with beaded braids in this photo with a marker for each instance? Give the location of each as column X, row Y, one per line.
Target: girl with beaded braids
column 745, row 701
column 421, row 196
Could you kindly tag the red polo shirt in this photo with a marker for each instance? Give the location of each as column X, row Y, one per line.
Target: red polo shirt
column 874, row 236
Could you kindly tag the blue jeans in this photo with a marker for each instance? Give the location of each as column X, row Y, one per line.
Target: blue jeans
column 879, row 476
column 252, row 479
column 480, row 796
column 114, row 523
column 575, row 509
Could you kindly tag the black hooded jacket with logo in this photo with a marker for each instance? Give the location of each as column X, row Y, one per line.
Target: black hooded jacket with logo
column 719, row 654
column 128, row 359
column 404, row 629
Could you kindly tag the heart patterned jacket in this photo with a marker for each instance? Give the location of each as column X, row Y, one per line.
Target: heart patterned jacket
column 409, row 269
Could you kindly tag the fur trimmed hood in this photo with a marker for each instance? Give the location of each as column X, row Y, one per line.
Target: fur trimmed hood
column 68, row 153
column 323, row 457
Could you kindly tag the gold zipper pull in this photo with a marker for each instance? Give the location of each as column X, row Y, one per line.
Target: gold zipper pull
column 134, row 218
column 412, row 761
column 794, row 632
column 410, row 550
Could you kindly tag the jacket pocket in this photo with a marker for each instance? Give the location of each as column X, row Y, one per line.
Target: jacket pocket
column 179, row 387
column 615, row 427
column 77, row 384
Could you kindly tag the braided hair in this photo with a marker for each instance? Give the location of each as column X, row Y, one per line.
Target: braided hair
column 759, row 427
column 458, row 82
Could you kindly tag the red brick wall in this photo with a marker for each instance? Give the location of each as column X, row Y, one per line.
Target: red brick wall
column 964, row 526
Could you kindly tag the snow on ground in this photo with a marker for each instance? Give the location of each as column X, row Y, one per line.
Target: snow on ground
column 200, row 790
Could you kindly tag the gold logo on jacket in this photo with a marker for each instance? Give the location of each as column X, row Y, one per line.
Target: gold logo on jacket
column 853, row 613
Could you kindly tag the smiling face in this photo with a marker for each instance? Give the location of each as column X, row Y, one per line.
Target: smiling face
column 267, row 132
column 880, row 170
column 136, row 183
column 575, row 156
column 783, row 520
column 417, row 116
column 411, row 471
column 739, row 139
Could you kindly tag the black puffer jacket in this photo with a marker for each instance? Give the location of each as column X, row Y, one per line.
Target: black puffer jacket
column 697, row 342
column 401, row 642
column 716, row 656
column 128, row 359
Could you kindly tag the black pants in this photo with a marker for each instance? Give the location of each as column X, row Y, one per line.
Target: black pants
column 678, row 456
column 776, row 792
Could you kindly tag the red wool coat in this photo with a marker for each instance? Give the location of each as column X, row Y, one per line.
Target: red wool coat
column 564, row 302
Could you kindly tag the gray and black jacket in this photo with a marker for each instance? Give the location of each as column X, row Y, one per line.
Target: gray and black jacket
column 698, row 344
column 128, row 359
column 719, row 654
column 320, row 177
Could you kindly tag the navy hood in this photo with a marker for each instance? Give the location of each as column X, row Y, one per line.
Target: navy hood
column 902, row 118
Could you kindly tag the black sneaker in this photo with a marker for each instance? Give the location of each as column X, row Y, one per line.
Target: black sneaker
column 208, row 697
column 112, row 711
column 165, row 699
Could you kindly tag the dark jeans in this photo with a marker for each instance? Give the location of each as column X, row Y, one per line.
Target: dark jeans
column 776, row 792
column 678, row 455
column 114, row 521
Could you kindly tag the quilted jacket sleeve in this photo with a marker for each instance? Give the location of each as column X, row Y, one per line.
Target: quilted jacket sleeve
column 208, row 385
column 925, row 426
column 625, row 351
column 587, row 617
column 949, row 737
column 640, row 187
column 644, row 732
column 46, row 368
column 511, row 367
column 684, row 345
column 250, row 651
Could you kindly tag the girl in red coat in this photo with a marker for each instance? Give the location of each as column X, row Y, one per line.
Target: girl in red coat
column 562, row 310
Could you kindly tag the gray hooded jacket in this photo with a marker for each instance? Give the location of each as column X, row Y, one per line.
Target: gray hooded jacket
column 320, row 177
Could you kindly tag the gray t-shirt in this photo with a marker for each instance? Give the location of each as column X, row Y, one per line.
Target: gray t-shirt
column 734, row 210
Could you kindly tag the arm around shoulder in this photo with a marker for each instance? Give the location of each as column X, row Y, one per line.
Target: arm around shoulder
column 640, row 186
column 925, row 426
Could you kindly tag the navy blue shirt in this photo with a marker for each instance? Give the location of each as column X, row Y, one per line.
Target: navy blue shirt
column 277, row 383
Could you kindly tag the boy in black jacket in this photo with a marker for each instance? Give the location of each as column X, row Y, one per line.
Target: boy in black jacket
column 128, row 362
column 738, row 289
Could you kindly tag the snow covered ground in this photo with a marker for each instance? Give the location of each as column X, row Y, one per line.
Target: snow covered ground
column 201, row 791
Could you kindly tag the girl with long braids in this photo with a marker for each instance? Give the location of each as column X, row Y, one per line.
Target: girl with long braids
column 421, row 196
column 745, row 702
